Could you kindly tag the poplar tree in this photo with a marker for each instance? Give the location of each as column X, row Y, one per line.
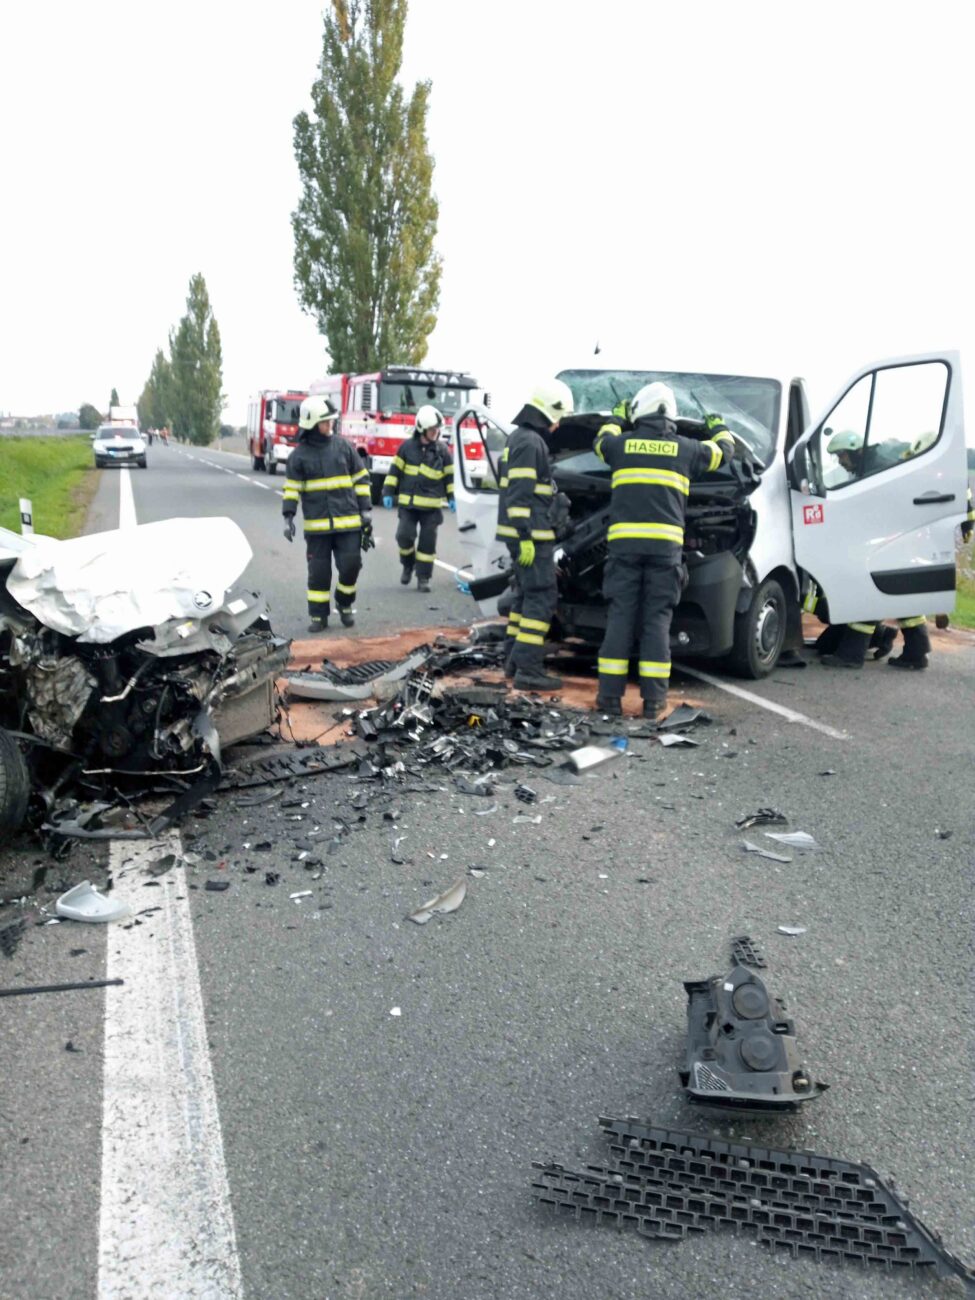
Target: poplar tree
column 365, row 265
column 152, row 404
column 194, row 401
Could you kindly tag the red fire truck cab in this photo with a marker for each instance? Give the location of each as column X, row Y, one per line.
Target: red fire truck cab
column 272, row 427
column 379, row 411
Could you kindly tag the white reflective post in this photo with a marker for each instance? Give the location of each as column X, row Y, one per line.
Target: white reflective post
column 26, row 516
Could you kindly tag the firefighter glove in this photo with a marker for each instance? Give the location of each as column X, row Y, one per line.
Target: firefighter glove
column 388, row 502
column 716, row 424
column 368, row 541
column 622, row 409
column 452, row 506
column 289, row 527
column 526, row 553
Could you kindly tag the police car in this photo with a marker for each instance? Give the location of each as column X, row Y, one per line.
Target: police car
column 786, row 524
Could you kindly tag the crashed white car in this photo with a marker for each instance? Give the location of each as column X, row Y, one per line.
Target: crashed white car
column 780, row 526
column 132, row 653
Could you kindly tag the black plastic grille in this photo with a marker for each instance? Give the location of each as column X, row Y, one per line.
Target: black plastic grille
column 666, row 1184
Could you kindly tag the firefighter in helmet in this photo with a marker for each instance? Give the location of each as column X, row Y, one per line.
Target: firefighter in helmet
column 421, row 482
column 525, row 523
column 652, row 468
column 325, row 474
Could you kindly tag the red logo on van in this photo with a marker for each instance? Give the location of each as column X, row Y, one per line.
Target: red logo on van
column 812, row 514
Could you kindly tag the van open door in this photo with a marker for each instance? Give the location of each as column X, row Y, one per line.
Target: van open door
column 476, row 488
column 878, row 487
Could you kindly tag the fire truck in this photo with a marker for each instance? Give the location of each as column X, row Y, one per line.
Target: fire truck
column 378, row 411
column 272, row 427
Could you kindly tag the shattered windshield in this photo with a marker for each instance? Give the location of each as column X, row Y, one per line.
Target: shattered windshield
column 750, row 406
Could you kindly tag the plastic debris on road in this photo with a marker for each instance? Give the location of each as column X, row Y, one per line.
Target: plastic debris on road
column 684, row 716
column 669, row 738
column 448, row 901
column 749, row 847
column 85, row 903
column 590, row 756
column 763, row 817
column 800, row 840
column 791, row 929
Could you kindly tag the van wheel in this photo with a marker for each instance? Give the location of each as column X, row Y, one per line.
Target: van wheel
column 14, row 784
column 760, row 632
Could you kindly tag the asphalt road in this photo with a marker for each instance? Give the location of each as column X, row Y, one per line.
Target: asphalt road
column 372, row 1155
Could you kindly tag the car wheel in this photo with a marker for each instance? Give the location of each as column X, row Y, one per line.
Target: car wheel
column 760, row 632
column 14, row 784
column 143, row 463
column 99, row 464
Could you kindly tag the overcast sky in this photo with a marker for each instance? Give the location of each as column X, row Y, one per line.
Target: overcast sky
column 762, row 187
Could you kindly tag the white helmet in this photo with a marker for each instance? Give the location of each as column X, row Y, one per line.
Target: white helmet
column 654, row 399
column 847, row 440
column 554, row 399
column 922, row 442
column 315, row 409
column 428, row 417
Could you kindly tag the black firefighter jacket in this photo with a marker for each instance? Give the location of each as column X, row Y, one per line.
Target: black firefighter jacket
column 525, row 503
column 653, row 466
column 422, row 475
column 332, row 483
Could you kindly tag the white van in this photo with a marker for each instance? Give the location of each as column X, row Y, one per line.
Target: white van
column 781, row 525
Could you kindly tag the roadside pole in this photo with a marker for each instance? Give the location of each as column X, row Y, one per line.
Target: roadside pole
column 26, row 516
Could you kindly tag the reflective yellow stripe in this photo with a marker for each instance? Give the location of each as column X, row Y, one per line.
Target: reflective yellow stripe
column 399, row 462
column 523, row 471
column 503, row 483
column 389, row 481
column 362, row 490
column 363, row 473
column 544, row 489
column 519, row 512
column 649, row 668
column 917, row 621
column 716, row 455
column 614, row 667
column 408, row 550
column 326, row 525
column 514, row 617
column 319, row 597
column 449, row 470
column 294, row 483
column 543, row 535
column 661, row 477
column 411, row 471
column 653, row 532
column 289, row 494
column 422, row 555
column 403, row 499
column 535, row 623
column 505, row 530
column 427, row 503
column 327, row 484
column 867, row 629
column 431, row 473
column 346, row 591
column 512, row 630
column 529, row 638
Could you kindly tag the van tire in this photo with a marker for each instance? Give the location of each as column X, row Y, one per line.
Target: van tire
column 760, row 632
column 14, row 784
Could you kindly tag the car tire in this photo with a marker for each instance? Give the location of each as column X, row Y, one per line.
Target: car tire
column 14, row 784
column 99, row 464
column 760, row 632
column 143, row 463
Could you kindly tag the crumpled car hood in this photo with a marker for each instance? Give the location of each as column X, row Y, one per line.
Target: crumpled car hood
column 101, row 587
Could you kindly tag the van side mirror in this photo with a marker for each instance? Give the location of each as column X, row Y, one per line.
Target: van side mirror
column 487, row 399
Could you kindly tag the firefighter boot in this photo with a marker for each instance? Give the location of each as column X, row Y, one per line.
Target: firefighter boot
column 883, row 640
column 318, row 625
column 852, row 649
column 610, row 704
column 917, row 647
column 652, row 710
column 347, row 617
column 423, row 584
column 406, row 577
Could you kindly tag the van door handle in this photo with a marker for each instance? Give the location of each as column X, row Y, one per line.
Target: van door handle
column 934, row 498
column 466, row 528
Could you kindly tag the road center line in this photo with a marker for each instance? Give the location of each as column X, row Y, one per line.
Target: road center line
column 166, row 1225
column 789, row 714
column 126, row 499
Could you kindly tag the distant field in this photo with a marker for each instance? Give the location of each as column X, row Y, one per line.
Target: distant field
column 56, row 474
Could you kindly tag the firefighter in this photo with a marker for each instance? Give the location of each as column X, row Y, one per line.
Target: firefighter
column 652, row 468
column 422, row 476
column 525, row 525
column 325, row 473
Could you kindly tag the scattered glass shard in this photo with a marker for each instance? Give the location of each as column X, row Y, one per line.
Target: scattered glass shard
column 676, row 738
column 448, row 901
column 749, row 847
column 801, row 840
column 791, row 929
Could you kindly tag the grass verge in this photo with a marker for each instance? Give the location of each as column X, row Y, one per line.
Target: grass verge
column 58, row 477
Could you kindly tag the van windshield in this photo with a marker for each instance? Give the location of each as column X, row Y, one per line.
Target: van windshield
column 285, row 412
column 750, row 406
column 408, row 398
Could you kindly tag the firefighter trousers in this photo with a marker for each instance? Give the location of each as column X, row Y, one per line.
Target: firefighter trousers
column 321, row 549
column 416, row 537
column 643, row 592
column 536, row 595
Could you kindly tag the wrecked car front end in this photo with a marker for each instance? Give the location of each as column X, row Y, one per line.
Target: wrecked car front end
column 132, row 655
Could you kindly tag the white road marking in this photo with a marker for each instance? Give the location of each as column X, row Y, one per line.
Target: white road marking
column 166, row 1225
column 126, row 501
column 789, row 714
